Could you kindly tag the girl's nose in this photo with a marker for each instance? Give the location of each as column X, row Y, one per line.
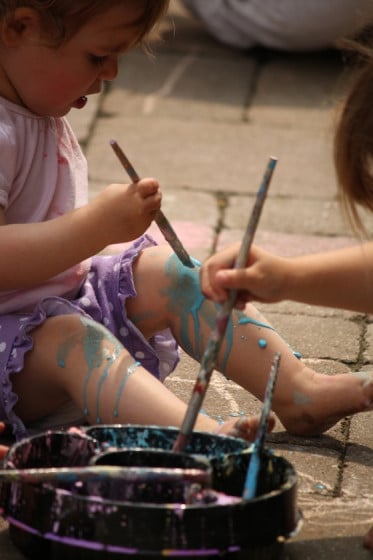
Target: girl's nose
column 110, row 69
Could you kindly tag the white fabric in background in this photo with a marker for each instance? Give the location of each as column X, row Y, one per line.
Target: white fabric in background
column 295, row 25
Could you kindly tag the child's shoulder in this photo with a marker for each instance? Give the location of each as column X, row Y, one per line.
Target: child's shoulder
column 16, row 120
column 13, row 109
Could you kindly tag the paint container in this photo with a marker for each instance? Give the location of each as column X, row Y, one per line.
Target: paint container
column 53, row 448
column 158, row 437
column 154, row 476
column 50, row 449
column 61, row 523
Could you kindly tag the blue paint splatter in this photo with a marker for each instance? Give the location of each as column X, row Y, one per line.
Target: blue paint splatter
column 64, row 350
column 186, row 300
column 128, row 373
column 95, row 355
column 104, row 375
column 244, row 319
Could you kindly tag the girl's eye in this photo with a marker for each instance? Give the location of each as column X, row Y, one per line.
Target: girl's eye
column 97, row 60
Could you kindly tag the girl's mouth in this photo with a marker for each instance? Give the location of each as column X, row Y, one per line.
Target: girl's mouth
column 80, row 102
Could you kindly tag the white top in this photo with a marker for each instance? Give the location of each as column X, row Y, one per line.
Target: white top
column 43, row 174
column 295, row 25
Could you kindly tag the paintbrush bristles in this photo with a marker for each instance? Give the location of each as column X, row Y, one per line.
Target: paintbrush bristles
column 253, row 471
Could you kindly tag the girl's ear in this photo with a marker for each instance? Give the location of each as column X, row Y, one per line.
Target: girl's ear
column 23, row 24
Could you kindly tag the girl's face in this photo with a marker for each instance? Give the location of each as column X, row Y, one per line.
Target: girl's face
column 50, row 81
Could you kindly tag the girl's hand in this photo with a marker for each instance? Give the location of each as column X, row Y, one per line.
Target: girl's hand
column 125, row 212
column 263, row 279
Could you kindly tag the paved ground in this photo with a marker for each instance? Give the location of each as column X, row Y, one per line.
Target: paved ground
column 204, row 119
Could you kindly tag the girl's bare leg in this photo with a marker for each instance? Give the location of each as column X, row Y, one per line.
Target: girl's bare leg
column 305, row 401
column 77, row 359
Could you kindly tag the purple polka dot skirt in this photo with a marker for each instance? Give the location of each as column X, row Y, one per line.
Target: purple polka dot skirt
column 102, row 297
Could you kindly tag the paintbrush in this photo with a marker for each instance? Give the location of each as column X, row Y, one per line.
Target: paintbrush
column 100, row 473
column 210, row 355
column 251, row 481
column 162, row 222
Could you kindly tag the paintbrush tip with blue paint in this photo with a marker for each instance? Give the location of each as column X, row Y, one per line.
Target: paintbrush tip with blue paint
column 252, row 476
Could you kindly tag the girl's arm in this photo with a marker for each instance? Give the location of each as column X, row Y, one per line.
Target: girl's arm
column 32, row 253
column 341, row 278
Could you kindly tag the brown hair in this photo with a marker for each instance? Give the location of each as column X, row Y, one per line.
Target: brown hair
column 353, row 143
column 61, row 19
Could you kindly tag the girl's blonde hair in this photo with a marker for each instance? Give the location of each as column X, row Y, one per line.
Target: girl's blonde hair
column 61, row 19
column 353, row 143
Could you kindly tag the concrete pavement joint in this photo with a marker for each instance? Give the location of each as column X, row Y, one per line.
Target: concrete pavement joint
column 256, row 73
column 345, row 431
column 222, row 203
column 169, row 83
column 362, row 322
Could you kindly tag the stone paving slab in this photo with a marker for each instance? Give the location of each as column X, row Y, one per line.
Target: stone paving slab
column 298, row 90
column 214, row 156
column 293, row 215
column 179, row 86
column 330, row 338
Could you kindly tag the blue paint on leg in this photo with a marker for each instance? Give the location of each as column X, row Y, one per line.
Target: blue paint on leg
column 187, row 301
column 128, row 374
column 244, row 320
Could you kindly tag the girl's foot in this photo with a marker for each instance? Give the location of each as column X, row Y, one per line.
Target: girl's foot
column 245, row 427
column 319, row 401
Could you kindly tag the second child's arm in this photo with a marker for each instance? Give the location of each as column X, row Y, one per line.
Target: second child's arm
column 32, row 253
column 341, row 278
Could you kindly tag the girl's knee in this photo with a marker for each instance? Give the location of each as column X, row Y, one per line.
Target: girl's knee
column 58, row 324
column 71, row 324
column 74, row 337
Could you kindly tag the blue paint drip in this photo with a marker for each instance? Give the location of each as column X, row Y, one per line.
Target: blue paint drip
column 64, row 350
column 186, row 300
column 262, row 343
column 243, row 320
column 94, row 355
column 128, row 373
column 102, row 380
